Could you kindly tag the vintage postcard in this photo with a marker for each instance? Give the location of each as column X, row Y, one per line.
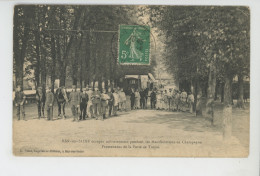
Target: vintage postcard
column 131, row 80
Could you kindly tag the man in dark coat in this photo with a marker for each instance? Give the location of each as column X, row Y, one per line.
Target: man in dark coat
column 142, row 99
column 74, row 102
column 40, row 99
column 110, row 101
column 153, row 99
column 61, row 96
column 83, row 104
column 146, row 97
column 49, row 103
column 132, row 99
column 19, row 100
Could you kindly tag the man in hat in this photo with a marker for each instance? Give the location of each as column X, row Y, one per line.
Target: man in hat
column 190, row 101
column 19, row 100
column 132, row 98
column 96, row 101
column 104, row 103
column 40, row 99
column 122, row 99
column 183, row 99
column 116, row 100
column 83, row 104
column 90, row 112
column 61, row 96
column 153, row 99
column 137, row 99
column 74, row 99
column 142, row 99
column 165, row 100
column 49, row 103
column 110, row 101
column 169, row 96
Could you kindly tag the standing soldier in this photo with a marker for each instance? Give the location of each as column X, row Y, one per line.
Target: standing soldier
column 137, row 99
column 183, row 99
column 119, row 99
column 110, row 101
column 191, row 101
column 96, row 102
column 142, row 99
column 40, row 98
column 61, row 96
column 19, row 100
column 104, row 103
column 122, row 99
column 74, row 99
column 132, row 99
column 49, row 103
column 116, row 99
column 169, row 96
column 90, row 104
column 178, row 100
column 165, row 100
column 159, row 99
column 153, row 99
column 83, row 104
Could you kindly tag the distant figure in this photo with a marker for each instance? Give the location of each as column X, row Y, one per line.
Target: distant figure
column 90, row 112
column 96, row 101
column 142, row 99
column 83, row 104
column 122, row 100
column 137, row 99
column 116, row 100
column 104, row 103
column 40, row 99
column 110, row 101
column 159, row 100
column 19, row 100
column 165, row 100
column 61, row 96
column 191, row 101
column 177, row 97
column 49, row 103
column 183, row 99
column 132, row 99
column 74, row 99
column 169, row 96
column 153, row 99
column 146, row 91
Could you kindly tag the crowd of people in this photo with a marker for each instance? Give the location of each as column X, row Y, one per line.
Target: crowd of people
column 84, row 104
column 97, row 104
column 171, row 99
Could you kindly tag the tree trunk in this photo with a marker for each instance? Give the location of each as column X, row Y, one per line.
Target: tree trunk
column 20, row 53
column 216, row 91
column 53, row 53
column 222, row 92
column 60, row 63
column 198, row 100
column 100, row 85
column 227, row 110
column 240, row 101
column 211, row 93
column 63, row 77
column 106, row 85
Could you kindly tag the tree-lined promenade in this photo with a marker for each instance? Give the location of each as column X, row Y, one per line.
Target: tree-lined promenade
column 79, row 42
column 203, row 48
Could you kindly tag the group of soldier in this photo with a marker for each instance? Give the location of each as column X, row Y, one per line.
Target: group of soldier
column 84, row 104
column 93, row 103
column 172, row 100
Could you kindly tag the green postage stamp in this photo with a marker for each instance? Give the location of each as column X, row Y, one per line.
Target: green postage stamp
column 134, row 45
